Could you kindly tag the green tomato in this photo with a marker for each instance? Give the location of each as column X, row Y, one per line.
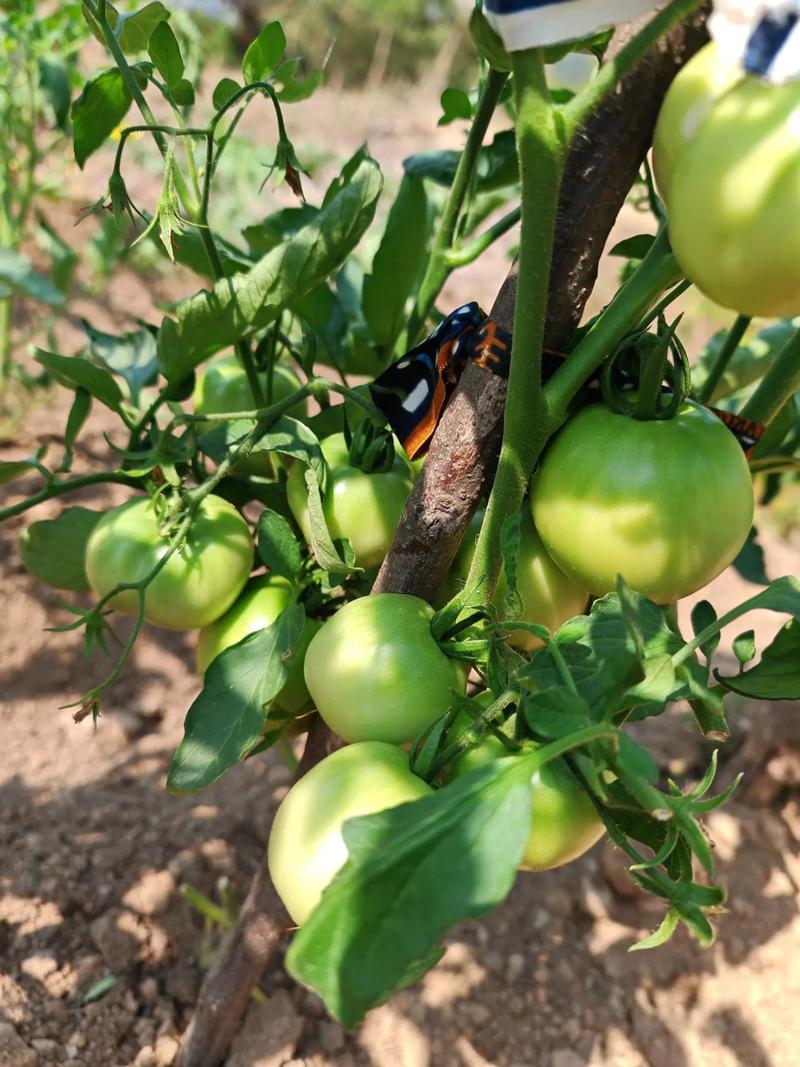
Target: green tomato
column 260, row 604
column 734, row 201
column 375, row 672
column 666, row 503
column 689, row 101
column 306, row 846
column 549, row 597
column 564, row 821
column 364, row 508
column 222, row 386
column 195, row 586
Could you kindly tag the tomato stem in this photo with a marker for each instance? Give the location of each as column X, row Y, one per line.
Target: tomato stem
column 720, row 365
column 778, row 385
column 439, row 265
column 542, row 150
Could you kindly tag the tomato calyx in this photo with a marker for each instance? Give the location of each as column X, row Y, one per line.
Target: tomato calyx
column 371, row 447
column 634, row 375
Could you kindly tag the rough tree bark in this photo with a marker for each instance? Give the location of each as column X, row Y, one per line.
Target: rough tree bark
column 601, row 168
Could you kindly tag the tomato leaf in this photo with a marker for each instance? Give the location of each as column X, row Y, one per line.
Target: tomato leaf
column 208, row 321
column 77, row 372
column 130, row 355
column 54, row 82
column 744, row 647
column 750, row 561
column 633, row 247
column 601, row 655
column 456, row 104
column 53, row 550
column 277, row 545
column 11, row 469
column 133, row 31
column 227, row 719
column 264, row 53
column 413, row 872
column 165, row 52
column 97, row 112
column 224, row 90
column 78, row 414
column 322, row 545
column 777, row 675
column 555, row 712
column 497, row 164
column 288, row 436
column 275, row 228
column 703, row 615
column 18, row 276
column 397, row 263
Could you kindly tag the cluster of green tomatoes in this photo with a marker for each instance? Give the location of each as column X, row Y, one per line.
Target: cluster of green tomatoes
column 666, row 503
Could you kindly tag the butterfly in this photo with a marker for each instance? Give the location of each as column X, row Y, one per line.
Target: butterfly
column 413, row 392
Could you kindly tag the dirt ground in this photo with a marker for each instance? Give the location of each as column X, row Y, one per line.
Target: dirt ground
column 94, row 852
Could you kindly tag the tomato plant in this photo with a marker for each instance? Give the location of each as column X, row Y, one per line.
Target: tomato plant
column 363, row 507
column 237, row 469
column 376, row 673
column 306, row 845
column 195, row 585
column 615, row 495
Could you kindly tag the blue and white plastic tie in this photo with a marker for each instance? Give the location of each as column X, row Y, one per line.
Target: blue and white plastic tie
column 532, row 23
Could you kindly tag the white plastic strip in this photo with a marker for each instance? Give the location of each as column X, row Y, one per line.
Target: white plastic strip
column 531, row 23
column 763, row 36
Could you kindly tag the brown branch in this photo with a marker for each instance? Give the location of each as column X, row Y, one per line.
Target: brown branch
column 226, row 988
column 601, row 168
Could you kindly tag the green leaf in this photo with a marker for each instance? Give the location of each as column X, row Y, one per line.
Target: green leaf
column 413, row 872
column 708, row 707
column 97, row 112
column 182, row 92
column 165, row 52
column 208, row 321
column 601, row 656
column 750, row 563
column 54, row 81
column 278, row 546
column 63, row 258
column 497, row 164
column 264, row 54
column 265, row 235
column 322, row 545
column 227, row 719
column 78, row 414
column 744, row 647
column 488, row 43
column 636, row 760
column 703, row 615
column 633, row 247
column 749, row 362
column 782, row 595
column 288, row 436
column 74, row 371
column 18, row 276
column 456, row 104
column 555, row 712
column 397, row 263
column 134, row 31
column 130, row 355
column 11, row 469
column 54, row 550
column 296, row 89
column 777, row 674
column 225, row 90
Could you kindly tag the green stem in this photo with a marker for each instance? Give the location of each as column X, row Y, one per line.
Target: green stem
column 657, row 272
column 70, row 485
column 6, row 311
column 526, row 426
column 583, row 104
column 778, row 385
column 438, row 269
column 723, row 358
column 460, row 257
column 715, row 627
column 663, row 304
column 650, row 379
